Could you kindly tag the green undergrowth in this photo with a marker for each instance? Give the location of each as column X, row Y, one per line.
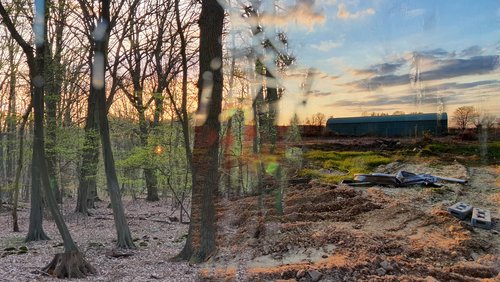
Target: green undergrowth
column 334, row 166
column 477, row 152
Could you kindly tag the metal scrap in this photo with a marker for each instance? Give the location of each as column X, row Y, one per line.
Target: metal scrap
column 400, row 179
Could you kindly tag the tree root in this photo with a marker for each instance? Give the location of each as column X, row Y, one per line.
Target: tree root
column 69, row 265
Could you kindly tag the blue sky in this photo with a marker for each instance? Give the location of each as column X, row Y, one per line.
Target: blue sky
column 387, row 55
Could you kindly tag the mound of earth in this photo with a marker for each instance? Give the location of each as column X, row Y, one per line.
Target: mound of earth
column 340, row 233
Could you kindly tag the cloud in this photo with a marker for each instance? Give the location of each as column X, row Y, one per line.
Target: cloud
column 460, row 67
column 472, row 51
column 457, row 86
column 326, row 46
column 327, row 2
column 344, row 14
column 302, row 13
column 446, row 68
column 413, row 13
column 394, row 100
column 380, row 69
column 317, row 93
column 433, row 54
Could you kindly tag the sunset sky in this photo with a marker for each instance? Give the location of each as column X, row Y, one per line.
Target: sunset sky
column 386, row 56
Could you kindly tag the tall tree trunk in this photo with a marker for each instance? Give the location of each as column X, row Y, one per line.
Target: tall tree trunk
column 11, row 119
column 54, row 80
column 257, row 144
column 87, row 182
column 124, row 237
column 70, row 264
column 200, row 243
column 184, row 118
column 149, row 173
column 272, row 112
column 19, row 169
column 35, row 66
column 87, row 187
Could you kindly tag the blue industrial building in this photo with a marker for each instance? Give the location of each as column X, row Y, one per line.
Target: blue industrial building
column 413, row 125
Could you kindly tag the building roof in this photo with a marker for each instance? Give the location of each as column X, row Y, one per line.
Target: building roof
column 394, row 118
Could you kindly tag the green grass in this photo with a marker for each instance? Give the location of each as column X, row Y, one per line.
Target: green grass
column 465, row 150
column 348, row 162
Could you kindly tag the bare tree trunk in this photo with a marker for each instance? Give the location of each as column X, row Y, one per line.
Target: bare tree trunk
column 149, row 173
column 35, row 66
column 19, row 168
column 73, row 265
column 11, row 120
column 87, row 190
column 124, row 237
column 200, row 243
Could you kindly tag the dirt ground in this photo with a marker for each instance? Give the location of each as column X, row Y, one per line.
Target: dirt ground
column 326, row 233
column 340, row 233
column 156, row 237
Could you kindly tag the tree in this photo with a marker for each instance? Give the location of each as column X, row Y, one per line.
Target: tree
column 200, row 243
column 71, row 263
column 100, row 42
column 19, row 168
column 35, row 66
column 464, row 116
column 318, row 119
column 484, row 121
column 53, row 87
column 137, row 64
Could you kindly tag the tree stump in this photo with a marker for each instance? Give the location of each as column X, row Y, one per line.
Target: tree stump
column 69, row 265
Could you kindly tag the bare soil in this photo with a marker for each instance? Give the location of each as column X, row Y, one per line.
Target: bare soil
column 363, row 234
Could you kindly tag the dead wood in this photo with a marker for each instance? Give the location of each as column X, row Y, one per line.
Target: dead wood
column 114, row 253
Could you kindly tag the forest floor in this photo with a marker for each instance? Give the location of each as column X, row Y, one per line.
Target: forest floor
column 326, row 233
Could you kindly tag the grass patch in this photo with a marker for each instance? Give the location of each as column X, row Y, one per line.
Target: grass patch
column 348, row 163
column 473, row 151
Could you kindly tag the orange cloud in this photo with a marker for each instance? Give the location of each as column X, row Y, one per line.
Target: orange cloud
column 344, row 14
column 302, row 13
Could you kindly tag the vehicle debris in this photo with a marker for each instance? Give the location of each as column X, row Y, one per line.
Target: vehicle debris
column 400, row 179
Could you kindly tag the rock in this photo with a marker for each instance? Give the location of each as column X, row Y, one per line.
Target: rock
column 386, row 265
column 23, row 248
column 431, row 279
column 314, row 275
column 324, row 256
column 8, row 249
column 380, row 271
column 301, row 273
column 495, row 232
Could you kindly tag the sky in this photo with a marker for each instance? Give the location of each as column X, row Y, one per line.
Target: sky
column 355, row 56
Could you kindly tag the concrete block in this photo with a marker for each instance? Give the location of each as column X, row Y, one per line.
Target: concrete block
column 481, row 218
column 460, row 210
